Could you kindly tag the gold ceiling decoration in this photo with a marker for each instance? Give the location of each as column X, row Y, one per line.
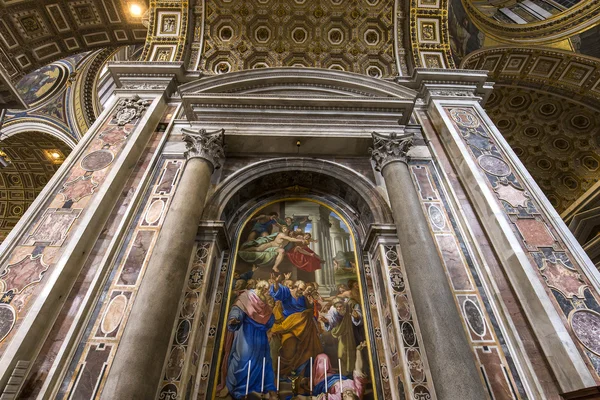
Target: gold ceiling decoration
column 355, row 36
column 34, row 33
column 572, row 75
column 429, row 34
column 167, row 31
column 572, row 21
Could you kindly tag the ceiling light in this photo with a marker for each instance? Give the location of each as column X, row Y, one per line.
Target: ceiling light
column 135, row 9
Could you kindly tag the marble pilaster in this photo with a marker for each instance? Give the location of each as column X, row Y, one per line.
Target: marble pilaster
column 526, row 232
column 61, row 227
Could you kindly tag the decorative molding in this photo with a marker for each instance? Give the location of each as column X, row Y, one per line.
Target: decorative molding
column 207, row 145
column 387, row 149
column 564, row 25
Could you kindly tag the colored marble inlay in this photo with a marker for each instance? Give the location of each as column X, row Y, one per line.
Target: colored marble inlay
column 112, row 310
column 558, row 269
column 49, row 232
column 481, row 325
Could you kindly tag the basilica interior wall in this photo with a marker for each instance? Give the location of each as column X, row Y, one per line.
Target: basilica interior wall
column 313, row 187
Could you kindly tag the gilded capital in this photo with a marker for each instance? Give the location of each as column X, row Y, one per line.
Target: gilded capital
column 390, row 148
column 207, row 145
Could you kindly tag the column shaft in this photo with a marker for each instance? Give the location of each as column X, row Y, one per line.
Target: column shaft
column 136, row 369
column 451, row 360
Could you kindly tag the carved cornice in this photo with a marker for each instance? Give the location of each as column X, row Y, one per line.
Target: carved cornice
column 207, row 145
column 392, row 148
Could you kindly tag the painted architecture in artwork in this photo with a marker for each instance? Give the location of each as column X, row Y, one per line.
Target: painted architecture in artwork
column 295, row 199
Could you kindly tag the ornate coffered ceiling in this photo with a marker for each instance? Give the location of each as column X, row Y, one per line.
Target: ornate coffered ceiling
column 555, row 137
column 356, row 36
column 569, row 74
column 35, row 33
column 34, row 158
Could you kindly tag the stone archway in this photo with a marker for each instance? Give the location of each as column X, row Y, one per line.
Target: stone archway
column 330, row 181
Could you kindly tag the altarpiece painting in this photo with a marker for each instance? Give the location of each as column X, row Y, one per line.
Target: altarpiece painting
column 295, row 323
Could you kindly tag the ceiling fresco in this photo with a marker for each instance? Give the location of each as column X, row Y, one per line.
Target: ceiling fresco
column 556, row 138
column 34, row 158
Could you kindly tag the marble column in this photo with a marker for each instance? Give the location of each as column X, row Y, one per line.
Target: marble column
column 136, row 369
column 453, row 370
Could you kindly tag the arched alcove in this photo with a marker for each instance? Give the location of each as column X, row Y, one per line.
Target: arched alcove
column 326, row 180
column 31, row 160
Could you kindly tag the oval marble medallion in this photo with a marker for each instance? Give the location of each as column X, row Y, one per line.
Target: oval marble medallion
column 586, row 325
column 155, row 211
column 97, row 160
column 183, row 332
column 408, row 334
column 494, row 165
column 413, row 356
column 7, row 320
column 114, row 314
column 402, row 307
column 175, row 363
column 436, row 216
column 189, row 305
column 474, row 317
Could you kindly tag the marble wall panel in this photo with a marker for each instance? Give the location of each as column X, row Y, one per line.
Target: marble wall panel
column 558, row 269
column 384, row 333
column 114, row 305
column 480, row 322
column 50, row 231
column 181, row 366
column 409, row 365
column 59, row 333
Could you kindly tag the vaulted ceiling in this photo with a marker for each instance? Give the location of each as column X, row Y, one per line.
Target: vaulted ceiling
column 35, row 33
column 34, row 158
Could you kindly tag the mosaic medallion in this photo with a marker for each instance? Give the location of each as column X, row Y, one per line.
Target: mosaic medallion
column 43, row 83
column 464, row 118
column 97, row 160
column 436, row 217
column 7, row 320
column 494, row 165
column 586, row 325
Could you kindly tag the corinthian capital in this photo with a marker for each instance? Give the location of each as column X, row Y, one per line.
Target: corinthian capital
column 390, row 148
column 206, row 145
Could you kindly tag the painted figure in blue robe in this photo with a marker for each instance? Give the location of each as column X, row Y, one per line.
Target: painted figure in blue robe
column 296, row 326
column 247, row 345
